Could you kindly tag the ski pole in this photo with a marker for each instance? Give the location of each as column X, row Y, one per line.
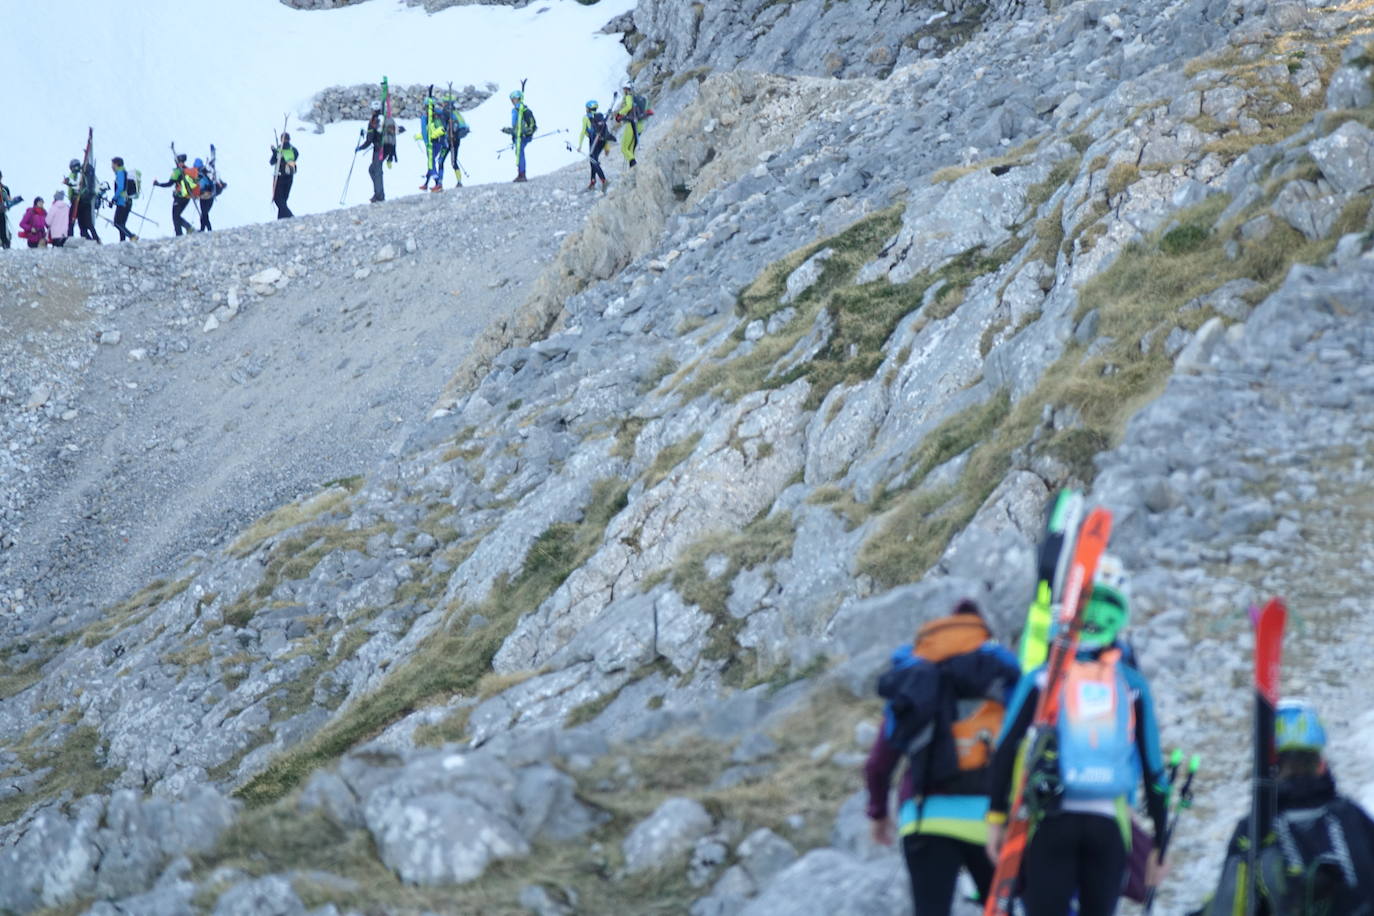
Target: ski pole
column 1182, row 802
column 349, row 180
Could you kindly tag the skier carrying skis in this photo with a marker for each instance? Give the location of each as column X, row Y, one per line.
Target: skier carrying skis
column 595, row 132
column 952, row 665
column 434, row 133
column 182, row 185
column 204, row 194
column 635, row 110
column 1319, row 858
column 521, row 130
column 82, row 187
column 373, row 140
column 1081, row 786
column 284, row 158
column 121, row 201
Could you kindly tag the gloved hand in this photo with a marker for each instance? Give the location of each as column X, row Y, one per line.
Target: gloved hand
column 507, row 130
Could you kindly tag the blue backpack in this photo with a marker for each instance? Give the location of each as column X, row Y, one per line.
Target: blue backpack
column 1097, row 753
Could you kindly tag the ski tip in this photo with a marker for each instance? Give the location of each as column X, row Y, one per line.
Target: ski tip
column 1176, row 758
column 1194, row 762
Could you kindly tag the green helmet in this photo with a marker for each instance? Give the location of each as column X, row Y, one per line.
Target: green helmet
column 1109, row 607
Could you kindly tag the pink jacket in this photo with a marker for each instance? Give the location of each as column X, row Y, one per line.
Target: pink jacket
column 59, row 219
column 34, row 225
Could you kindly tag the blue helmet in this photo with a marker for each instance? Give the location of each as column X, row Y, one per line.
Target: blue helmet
column 591, row 105
column 1297, row 728
column 517, row 95
column 199, row 164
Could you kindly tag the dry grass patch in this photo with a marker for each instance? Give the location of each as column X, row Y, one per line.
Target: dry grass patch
column 669, row 458
column 294, row 514
column 134, row 609
column 77, row 766
column 454, row 659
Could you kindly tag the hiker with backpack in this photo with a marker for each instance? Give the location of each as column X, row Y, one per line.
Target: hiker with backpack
column 125, row 187
column 434, row 133
column 203, row 192
column 945, row 695
column 634, row 110
column 284, row 158
column 457, row 130
column 33, row 227
column 522, row 129
column 182, row 186
column 1081, row 782
column 1318, row 860
column 373, row 139
column 82, row 189
column 598, row 134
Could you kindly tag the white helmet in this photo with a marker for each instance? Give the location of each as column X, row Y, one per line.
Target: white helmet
column 376, row 105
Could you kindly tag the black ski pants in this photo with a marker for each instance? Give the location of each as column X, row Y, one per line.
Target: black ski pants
column 598, row 147
column 4, row 232
column 1074, row 854
column 933, row 863
column 283, row 191
column 205, row 204
column 375, row 170
column 85, row 218
column 121, row 218
column 179, row 222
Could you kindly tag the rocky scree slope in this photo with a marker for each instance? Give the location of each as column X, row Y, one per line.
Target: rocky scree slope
column 157, row 398
column 602, row 630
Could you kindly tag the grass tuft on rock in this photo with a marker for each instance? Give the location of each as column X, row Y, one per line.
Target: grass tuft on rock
column 453, row 660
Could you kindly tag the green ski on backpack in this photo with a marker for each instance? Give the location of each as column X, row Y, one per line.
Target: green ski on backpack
column 1055, row 550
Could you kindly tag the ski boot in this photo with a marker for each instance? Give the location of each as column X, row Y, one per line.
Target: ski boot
column 603, row 186
column 437, row 187
column 521, row 177
column 591, row 185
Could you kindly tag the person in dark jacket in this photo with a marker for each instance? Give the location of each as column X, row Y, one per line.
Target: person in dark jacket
column 283, row 159
column 373, row 140
column 1106, row 741
column 942, row 798
column 1319, row 858
column 598, row 134
column 121, row 201
column 84, row 189
column 6, row 202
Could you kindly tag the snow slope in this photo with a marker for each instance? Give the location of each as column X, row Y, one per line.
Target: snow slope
column 226, row 71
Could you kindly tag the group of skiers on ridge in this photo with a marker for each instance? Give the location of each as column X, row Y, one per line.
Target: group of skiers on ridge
column 442, row 128
column 82, row 195
column 958, row 709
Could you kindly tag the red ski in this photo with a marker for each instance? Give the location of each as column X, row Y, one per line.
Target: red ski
column 1269, row 623
column 1092, row 541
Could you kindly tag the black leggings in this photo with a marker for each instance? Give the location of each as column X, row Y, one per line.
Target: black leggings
column 933, row 862
column 85, row 216
column 598, row 148
column 1070, row 854
column 178, row 221
column 281, row 193
column 121, row 219
column 205, row 204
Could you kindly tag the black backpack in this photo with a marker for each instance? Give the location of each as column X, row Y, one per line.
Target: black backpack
column 1310, row 866
column 130, row 185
